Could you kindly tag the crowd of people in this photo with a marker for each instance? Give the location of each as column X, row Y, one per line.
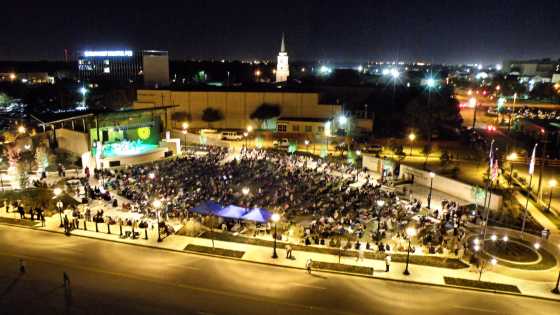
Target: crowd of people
column 328, row 200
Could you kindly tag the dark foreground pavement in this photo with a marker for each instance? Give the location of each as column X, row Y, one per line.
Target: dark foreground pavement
column 112, row 278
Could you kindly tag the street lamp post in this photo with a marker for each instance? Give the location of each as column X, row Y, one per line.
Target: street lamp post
column 472, row 102
column 1, row 177
column 511, row 157
column 185, row 126
column 275, row 218
column 306, row 142
column 57, row 191
column 410, row 232
column 411, row 137
column 551, row 184
column 157, row 205
column 432, row 175
column 556, row 290
column 380, row 204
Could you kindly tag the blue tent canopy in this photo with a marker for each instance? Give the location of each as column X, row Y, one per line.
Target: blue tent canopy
column 258, row 214
column 231, row 211
column 207, row 207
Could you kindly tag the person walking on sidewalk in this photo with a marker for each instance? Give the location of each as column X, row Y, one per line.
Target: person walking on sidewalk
column 288, row 251
column 308, row 264
column 387, row 262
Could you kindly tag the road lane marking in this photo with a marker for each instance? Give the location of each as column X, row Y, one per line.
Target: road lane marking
column 309, row 286
column 475, row 309
column 255, row 298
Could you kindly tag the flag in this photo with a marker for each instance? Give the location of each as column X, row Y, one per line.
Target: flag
column 532, row 163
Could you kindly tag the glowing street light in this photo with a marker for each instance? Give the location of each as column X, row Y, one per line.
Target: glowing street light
column 511, row 158
column 21, row 129
column 537, row 246
column 411, row 137
column 83, row 91
column 249, row 128
column 410, row 232
column 358, row 152
column 152, row 175
column 245, row 191
column 395, row 73
column 431, row 82
column 185, row 125
column 494, row 237
column 342, row 120
column 275, row 218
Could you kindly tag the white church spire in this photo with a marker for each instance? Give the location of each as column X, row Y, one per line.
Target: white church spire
column 282, row 66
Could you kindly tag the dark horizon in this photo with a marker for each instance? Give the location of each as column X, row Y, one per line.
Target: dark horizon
column 430, row 31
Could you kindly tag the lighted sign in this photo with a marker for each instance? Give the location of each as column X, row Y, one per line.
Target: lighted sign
column 143, row 133
column 108, row 53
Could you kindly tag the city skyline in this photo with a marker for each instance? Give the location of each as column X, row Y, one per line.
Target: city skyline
column 433, row 31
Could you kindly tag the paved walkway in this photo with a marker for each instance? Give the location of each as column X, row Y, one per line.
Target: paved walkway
column 540, row 283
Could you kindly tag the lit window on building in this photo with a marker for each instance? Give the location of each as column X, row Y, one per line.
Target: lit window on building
column 308, row 129
column 106, row 70
column 106, row 61
column 321, row 129
column 282, row 128
column 295, row 128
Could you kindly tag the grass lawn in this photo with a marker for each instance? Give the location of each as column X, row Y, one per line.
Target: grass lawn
column 481, row 285
column 214, row 251
column 434, row 261
column 321, row 265
column 19, row 221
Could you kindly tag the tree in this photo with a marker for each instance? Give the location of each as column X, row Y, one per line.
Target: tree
column 266, row 111
column 181, row 116
column 444, row 158
column 211, row 115
column 426, row 151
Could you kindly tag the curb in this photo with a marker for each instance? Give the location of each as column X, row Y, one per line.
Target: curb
column 447, row 286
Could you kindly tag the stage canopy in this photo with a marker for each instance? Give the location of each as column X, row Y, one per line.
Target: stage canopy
column 258, row 214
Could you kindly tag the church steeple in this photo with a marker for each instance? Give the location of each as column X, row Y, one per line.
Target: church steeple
column 282, row 66
column 283, row 45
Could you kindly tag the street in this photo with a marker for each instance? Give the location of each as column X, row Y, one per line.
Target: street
column 112, row 278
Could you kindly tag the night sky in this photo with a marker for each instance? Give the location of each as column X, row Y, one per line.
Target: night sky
column 438, row 31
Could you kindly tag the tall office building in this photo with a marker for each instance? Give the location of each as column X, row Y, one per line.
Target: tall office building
column 282, row 66
column 148, row 67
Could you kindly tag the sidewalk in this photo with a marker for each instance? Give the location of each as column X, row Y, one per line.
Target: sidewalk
column 259, row 254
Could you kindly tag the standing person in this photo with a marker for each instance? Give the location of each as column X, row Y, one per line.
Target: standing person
column 387, row 262
column 21, row 212
column 308, row 265
column 42, row 218
column 22, row 266
column 360, row 253
column 288, row 251
column 66, row 224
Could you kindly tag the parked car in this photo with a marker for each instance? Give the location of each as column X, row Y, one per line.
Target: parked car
column 283, row 143
column 231, row 135
column 372, row 148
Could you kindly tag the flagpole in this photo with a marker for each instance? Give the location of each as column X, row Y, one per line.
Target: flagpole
column 531, row 171
column 490, row 160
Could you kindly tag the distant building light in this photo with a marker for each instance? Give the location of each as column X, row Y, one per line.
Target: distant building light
column 108, row 53
column 106, row 70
